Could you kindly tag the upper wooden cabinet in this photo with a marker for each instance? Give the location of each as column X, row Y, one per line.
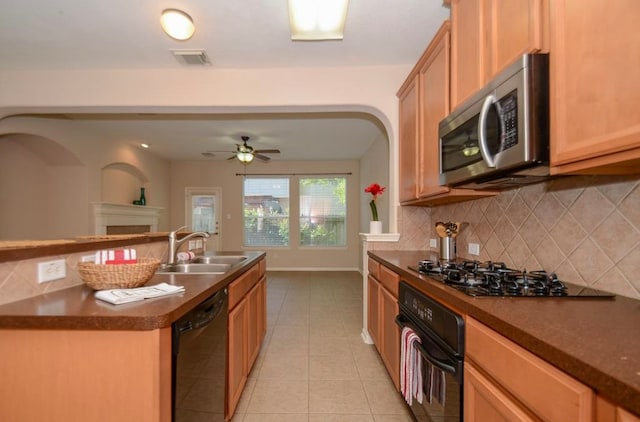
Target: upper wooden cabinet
column 408, row 97
column 424, row 102
column 487, row 36
column 595, row 89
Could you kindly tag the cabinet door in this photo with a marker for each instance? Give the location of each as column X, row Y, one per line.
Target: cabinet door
column 468, row 45
column 254, row 324
column 408, row 162
column 237, row 355
column 390, row 333
column 515, row 28
column 487, row 36
column 434, row 90
column 262, row 309
column 373, row 310
column 484, row 401
column 595, row 89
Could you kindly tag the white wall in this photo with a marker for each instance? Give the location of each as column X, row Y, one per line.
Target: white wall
column 62, row 189
column 209, row 90
column 223, row 174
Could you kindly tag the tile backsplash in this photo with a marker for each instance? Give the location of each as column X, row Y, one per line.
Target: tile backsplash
column 584, row 228
column 18, row 279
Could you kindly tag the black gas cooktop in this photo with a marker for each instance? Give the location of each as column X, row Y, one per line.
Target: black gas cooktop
column 495, row 279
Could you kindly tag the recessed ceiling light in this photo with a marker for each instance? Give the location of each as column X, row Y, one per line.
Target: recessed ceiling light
column 177, row 24
column 317, row 19
column 146, row 146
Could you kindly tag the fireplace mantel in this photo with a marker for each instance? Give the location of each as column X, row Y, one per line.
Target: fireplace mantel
column 109, row 214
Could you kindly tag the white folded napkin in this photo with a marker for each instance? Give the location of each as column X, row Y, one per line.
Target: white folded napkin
column 119, row 296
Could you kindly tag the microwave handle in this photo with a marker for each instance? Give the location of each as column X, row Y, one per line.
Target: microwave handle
column 482, row 131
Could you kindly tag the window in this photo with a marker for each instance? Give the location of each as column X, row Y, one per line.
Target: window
column 266, row 212
column 323, row 211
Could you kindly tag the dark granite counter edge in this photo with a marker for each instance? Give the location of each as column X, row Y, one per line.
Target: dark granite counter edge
column 132, row 316
column 80, row 245
column 604, row 384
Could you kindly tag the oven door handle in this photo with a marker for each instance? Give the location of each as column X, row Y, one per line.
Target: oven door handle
column 445, row 366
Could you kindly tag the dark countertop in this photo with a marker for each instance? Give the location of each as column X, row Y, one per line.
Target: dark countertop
column 76, row 308
column 596, row 341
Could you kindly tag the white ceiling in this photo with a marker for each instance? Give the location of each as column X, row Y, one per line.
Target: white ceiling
column 61, row 34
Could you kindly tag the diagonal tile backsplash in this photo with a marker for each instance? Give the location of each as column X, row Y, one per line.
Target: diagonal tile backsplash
column 584, row 228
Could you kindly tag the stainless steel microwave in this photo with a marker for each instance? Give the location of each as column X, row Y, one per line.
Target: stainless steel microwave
column 499, row 138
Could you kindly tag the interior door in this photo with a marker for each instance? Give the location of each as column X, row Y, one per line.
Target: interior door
column 203, row 207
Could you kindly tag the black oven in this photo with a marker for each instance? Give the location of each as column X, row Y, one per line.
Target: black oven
column 441, row 352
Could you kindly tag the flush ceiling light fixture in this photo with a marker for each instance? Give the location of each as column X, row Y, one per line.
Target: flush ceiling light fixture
column 317, row 19
column 177, row 24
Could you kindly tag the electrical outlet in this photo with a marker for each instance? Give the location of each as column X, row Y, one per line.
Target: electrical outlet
column 88, row 258
column 474, row 249
column 51, row 270
column 433, row 243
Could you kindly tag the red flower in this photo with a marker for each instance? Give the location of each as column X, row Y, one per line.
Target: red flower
column 375, row 190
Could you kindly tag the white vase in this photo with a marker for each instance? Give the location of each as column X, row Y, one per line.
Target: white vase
column 375, row 227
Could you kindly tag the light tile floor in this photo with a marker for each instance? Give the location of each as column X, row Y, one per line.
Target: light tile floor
column 314, row 366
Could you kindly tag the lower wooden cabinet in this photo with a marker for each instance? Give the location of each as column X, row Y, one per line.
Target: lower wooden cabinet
column 382, row 301
column 609, row 412
column 390, row 333
column 237, row 370
column 503, row 381
column 373, row 314
column 247, row 327
column 484, row 401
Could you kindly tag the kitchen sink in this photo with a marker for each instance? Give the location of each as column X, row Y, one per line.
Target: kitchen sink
column 193, row 268
column 219, row 259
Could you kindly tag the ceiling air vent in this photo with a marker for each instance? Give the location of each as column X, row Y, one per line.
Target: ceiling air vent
column 191, row 57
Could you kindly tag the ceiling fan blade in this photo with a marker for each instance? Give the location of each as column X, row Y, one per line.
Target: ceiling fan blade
column 261, row 157
column 232, row 157
column 267, row 151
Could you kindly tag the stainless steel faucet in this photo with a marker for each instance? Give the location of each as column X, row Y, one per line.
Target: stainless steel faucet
column 174, row 242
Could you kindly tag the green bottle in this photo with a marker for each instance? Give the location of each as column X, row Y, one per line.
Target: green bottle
column 143, row 199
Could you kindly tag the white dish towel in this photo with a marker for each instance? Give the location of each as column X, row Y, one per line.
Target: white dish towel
column 120, row 296
column 410, row 367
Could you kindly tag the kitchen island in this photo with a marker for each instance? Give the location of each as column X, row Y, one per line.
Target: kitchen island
column 595, row 341
column 68, row 356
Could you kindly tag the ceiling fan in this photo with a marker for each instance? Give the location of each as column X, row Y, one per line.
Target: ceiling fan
column 245, row 153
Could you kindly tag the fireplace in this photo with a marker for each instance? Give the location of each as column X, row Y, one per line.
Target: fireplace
column 124, row 219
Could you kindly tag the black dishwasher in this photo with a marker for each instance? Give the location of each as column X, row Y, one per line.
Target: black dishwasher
column 199, row 360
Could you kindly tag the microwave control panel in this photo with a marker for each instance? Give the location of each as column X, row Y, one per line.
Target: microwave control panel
column 509, row 118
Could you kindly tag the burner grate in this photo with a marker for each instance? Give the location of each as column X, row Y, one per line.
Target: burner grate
column 496, row 279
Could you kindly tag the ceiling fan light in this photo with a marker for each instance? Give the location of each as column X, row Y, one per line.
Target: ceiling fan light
column 317, row 19
column 177, row 24
column 245, row 157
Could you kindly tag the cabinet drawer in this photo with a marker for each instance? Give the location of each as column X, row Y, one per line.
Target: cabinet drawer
column 241, row 285
column 389, row 280
column 548, row 392
column 374, row 268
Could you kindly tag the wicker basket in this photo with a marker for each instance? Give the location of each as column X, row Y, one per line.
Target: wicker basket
column 118, row 276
